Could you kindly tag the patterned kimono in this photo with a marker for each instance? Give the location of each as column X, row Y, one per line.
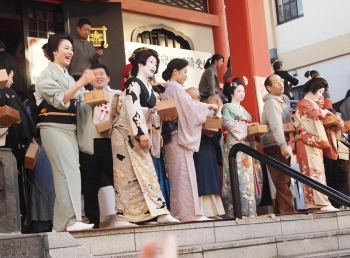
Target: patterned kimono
column 185, row 141
column 312, row 142
column 138, row 194
column 234, row 119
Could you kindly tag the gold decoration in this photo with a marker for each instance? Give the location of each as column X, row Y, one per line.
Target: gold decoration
column 97, row 35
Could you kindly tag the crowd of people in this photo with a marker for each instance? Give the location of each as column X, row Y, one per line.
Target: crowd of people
column 148, row 169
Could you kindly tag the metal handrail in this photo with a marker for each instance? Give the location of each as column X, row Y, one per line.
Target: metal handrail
column 236, row 198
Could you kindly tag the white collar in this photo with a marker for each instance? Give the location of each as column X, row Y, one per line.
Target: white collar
column 65, row 72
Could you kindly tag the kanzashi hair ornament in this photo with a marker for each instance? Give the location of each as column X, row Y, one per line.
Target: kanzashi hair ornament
column 230, row 81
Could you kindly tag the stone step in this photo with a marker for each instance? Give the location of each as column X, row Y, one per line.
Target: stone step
column 321, row 244
column 266, row 236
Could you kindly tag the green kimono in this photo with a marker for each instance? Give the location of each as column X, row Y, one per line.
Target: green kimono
column 62, row 143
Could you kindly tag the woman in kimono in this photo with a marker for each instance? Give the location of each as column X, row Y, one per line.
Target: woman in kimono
column 181, row 137
column 313, row 141
column 236, row 120
column 61, row 120
column 138, row 194
column 19, row 135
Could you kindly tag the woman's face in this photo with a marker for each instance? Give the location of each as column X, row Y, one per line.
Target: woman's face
column 318, row 95
column 64, row 53
column 149, row 68
column 320, row 102
column 219, row 63
column 239, row 93
column 10, row 80
column 181, row 75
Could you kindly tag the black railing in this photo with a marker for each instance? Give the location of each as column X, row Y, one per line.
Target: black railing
column 236, row 198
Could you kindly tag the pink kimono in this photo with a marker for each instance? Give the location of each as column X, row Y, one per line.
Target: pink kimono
column 184, row 198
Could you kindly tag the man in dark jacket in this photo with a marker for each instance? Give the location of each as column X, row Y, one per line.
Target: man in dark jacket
column 278, row 68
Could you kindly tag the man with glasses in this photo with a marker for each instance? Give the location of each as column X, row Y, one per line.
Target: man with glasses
column 278, row 68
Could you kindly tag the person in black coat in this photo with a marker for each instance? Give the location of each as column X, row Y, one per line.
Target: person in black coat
column 278, row 68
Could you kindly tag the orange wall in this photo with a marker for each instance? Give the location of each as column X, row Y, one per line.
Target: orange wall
column 248, row 46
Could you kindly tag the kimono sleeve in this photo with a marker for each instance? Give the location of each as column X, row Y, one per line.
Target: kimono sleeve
column 49, row 88
column 134, row 110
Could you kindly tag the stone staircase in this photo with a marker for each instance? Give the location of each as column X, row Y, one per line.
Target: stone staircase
column 299, row 235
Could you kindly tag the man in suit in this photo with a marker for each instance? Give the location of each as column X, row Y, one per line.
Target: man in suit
column 278, row 68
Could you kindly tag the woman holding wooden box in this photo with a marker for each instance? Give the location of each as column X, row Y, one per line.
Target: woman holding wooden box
column 65, row 125
column 236, row 121
column 184, row 136
column 138, row 194
column 313, row 140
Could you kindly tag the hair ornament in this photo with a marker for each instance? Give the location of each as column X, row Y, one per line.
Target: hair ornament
column 318, row 77
column 230, row 81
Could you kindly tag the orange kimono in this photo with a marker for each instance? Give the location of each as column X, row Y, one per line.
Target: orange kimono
column 312, row 142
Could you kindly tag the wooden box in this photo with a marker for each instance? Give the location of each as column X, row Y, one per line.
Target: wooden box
column 31, row 156
column 288, row 128
column 329, row 120
column 8, row 116
column 209, row 131
column 346, row 127
column 96, row 97
column 257, row 130
column 213, row 122
column 3, row 78
column 167, row 108
column 104, row 126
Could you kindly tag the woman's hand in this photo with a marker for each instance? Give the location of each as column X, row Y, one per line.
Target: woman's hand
column 251, row 124
column 10, row 80
column 339, row 122
column 213, row 107
column 145, row 141
column 326, row 112
column 87, row 77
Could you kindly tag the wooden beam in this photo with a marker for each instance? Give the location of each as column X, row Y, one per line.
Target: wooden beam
column 161, row 11
column 169, row 12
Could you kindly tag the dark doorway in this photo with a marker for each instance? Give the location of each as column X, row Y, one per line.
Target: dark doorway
column 101, row 14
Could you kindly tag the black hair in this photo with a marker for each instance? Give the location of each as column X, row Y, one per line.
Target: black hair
column 312, row 74
column 44, row 46
column 230, row 86
column 82, row 22
column 97, row 66
column 127, row 75
column 156, row 89
column 315, row 84
column 228, row 62
column 211, row 60
column 5, row 64
column 2, row 45
column 140, row 57
column 131, row 58
column 277, row 65
column 55, row 40
column 176, row 63
column 347, row 94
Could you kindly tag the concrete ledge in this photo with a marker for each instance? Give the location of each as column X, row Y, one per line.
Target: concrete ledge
column 18, row 245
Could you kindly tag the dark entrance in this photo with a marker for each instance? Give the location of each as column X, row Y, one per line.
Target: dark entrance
column 101, row 14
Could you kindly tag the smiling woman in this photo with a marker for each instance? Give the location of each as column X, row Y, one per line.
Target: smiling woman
column 62, row 116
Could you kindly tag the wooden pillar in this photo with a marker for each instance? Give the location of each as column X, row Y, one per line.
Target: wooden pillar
column 248, row 46
column 217, row 7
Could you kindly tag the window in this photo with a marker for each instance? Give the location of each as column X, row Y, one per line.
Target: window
column 161, row 35
column 197, row 5
column 288, row 10
column 42, row 23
